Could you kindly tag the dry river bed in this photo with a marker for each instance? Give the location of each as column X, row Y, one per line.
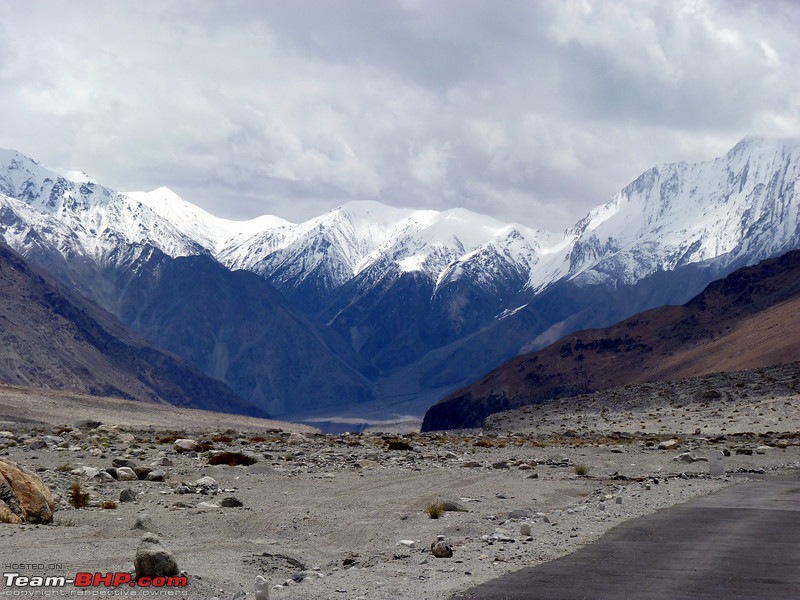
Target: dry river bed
column 348, row 516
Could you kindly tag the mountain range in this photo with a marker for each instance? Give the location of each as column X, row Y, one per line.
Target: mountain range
column 53, row 338
column 372, row 310
column 744, row 321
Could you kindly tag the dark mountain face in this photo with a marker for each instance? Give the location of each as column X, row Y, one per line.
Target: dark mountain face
column 55, row 339
column 730, row 325
column 236, row 328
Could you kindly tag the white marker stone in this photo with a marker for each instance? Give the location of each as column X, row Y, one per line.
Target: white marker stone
column 716, row 466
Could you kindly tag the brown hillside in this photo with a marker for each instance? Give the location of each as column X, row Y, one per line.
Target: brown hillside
column 53, row 339
column 746, row 320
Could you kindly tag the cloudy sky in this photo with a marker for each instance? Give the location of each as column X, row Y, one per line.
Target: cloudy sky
column 531, row 111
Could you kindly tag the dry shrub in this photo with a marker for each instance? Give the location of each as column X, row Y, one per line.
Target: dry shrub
column 77, row 497
column 232, row 459
column 435, row 510
column 398, row 445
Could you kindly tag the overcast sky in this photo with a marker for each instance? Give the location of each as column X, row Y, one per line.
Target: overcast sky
column 530, row 111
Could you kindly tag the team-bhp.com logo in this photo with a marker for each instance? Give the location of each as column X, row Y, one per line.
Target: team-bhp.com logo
column 87, row 582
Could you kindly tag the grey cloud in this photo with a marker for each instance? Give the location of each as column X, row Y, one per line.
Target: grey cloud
column 529, row 111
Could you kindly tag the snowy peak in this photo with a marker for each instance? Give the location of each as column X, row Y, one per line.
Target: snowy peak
column 367, row 240
column 741, row 206
column 100, row 219
column 211, row 232
column 744, row 203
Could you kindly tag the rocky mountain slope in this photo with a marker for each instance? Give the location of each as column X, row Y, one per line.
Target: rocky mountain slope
column 743, row 321
column 52, row 338
column 401, row 302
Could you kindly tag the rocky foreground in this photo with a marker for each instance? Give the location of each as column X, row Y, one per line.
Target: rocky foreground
column 355, row 515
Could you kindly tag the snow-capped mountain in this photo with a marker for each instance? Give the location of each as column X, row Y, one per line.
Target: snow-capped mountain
column 434, row 298
column 366, row 241
column 743, row 205
column 99, row 219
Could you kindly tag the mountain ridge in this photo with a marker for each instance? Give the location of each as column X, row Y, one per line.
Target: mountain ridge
column 439, row 297
column 56, row 339
column 742, row 321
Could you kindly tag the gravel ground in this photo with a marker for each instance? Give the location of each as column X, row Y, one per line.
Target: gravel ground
column 346, row 516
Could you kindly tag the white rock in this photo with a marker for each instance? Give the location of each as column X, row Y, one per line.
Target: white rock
column 185, row 445
column 407, row 543
column 126, row 474
column 262, row 588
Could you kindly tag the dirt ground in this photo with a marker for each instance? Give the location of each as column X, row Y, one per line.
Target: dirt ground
column 349, row 516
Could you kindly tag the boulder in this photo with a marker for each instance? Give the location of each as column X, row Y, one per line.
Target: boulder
column 153, row 559
column 24, row 497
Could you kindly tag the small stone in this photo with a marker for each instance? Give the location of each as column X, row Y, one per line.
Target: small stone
column 157, row 475
column 618, row 499
column 206, row 485
column 142, row 472
column 668, row 444
column 441, row 549
column 127, row 495
column 126, row 474
column 103, row 477
column 231, row 502
column 144, row 522
column 525, row 530
column 519, row 514
column 185, row 445
column 406, row 543
column 123, row 462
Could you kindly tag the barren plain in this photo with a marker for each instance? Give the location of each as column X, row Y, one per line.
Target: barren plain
column 350, row 516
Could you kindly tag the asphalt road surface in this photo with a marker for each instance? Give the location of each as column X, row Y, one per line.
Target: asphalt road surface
column 741, row 542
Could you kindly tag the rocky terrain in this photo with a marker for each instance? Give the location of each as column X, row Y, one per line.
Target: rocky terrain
column 350, row 516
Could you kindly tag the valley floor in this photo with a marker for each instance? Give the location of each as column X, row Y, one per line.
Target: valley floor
column 346, row 516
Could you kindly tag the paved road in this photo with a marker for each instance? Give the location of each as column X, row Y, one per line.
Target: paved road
column 741, row 542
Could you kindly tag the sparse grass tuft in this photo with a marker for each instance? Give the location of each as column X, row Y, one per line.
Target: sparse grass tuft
column 109, row 505
column 435, row 510
column 581, row 470
column 65, row 468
